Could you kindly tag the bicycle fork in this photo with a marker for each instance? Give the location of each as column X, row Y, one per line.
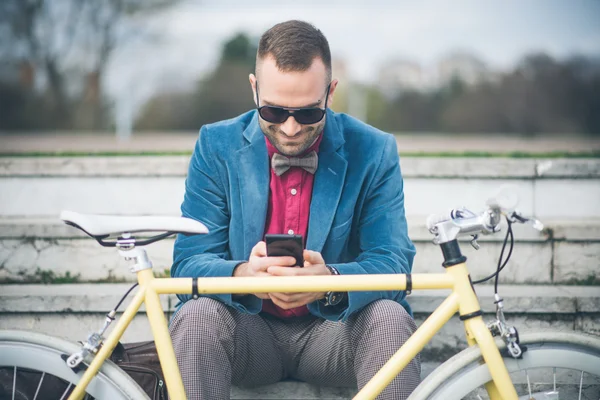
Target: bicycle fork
column 501, row 386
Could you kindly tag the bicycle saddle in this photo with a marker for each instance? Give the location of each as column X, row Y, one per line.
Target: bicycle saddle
column 104, row 225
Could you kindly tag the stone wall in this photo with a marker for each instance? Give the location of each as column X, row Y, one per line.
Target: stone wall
column 35, row 244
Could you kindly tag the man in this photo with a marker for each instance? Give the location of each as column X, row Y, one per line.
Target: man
column 345, row 198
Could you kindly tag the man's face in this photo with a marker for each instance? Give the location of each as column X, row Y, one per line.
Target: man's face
column 295, row 90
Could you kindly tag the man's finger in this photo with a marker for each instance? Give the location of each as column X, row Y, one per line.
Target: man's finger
column 260, row 249
column 286, row 305
column 313, row 257
column 290, row 297
column 283, row 297
column 259, row 268
column 276, row 261
column 279, row 303
column 285, row 271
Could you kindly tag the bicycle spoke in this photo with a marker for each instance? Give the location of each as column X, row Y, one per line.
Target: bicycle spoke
column 66, row 391
column 31, row 367
column 580, row 385
column 14, row 383
column 528, row 383
column 39, row 386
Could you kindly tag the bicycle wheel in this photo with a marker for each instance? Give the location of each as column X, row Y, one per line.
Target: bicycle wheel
column 563, row 365
column 31, row 367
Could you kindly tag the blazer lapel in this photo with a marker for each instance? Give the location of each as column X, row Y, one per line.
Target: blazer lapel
column 253, row 180
column 327, row 186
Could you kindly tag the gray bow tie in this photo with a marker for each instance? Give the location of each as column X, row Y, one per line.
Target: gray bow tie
column 281, row 163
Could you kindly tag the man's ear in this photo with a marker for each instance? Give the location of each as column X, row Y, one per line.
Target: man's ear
column 332, row 91
column 252, row 79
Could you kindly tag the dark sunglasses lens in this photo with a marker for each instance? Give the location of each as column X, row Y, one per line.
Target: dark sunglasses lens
column 309, row 116
column 274, row 114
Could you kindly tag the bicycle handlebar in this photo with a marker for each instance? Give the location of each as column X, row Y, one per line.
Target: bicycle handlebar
column 463, row 222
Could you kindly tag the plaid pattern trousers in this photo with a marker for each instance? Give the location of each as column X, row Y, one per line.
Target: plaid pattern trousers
column 217, row 346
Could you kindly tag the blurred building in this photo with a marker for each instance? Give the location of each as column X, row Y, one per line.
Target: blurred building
column 340, row 72
column 464, row 66
column 400, row 75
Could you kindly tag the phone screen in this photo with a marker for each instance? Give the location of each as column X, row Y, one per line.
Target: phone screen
column 285, row 245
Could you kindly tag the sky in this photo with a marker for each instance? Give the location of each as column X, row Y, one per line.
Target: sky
column 363, row 33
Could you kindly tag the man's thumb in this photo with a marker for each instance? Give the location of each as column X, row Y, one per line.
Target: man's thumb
column 312, row 257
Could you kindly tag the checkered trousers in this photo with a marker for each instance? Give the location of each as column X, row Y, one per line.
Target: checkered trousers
column 217, row 345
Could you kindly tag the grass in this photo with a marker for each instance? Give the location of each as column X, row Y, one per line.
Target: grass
column 469, row 154
column 511, row 154
column 49, row 277
column 591, row 280
column 96, row 154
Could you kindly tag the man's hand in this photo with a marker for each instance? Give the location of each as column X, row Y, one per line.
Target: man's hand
column 313, row 265
column 258, row 264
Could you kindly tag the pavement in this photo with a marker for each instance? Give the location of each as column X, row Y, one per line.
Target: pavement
column 24, row 142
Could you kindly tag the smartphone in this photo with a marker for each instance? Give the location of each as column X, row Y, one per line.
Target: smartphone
column 286, row 245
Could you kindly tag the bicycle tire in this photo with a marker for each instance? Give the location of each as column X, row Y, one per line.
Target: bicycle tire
column 465, row 372
column 31, row 351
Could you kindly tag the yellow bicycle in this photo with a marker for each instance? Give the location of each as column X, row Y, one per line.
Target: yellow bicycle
column 567, row 361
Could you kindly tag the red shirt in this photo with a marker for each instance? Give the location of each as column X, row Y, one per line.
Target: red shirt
column 288, row 211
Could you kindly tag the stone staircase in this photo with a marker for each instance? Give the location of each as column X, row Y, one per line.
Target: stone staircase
column 551, row 281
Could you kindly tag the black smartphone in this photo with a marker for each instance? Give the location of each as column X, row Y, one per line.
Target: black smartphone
column 286, row 245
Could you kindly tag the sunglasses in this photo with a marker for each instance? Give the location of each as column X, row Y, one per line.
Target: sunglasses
column 302, row 115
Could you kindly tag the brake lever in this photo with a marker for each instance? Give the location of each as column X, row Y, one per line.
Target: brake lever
column 536, row 224
column 474, row 242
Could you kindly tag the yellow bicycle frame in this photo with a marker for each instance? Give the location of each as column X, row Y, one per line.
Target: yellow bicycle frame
column 461, row 299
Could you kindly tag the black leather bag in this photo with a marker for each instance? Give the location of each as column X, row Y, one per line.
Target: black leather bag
column 140, row 361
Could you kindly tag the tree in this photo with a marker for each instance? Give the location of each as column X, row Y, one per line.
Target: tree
column 226, row 92
column 222, row 94
column 67, row 45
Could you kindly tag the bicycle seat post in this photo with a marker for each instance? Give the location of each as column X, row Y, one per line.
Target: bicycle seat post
column 126, row 245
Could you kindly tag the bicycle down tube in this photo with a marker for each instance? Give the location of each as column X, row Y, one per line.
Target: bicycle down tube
column 462, row 298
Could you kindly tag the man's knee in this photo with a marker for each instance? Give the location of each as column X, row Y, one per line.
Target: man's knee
column 386, row 315
column 201, row 314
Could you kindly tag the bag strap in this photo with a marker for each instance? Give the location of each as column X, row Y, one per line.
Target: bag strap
column 119, row 354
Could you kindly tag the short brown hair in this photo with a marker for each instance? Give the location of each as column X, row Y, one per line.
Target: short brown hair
column 294, row 45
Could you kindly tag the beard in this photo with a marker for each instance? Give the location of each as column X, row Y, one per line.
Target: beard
column 309, row 135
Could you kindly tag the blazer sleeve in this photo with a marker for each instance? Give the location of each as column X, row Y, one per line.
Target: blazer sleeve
column 383, row 237
column 205, row 200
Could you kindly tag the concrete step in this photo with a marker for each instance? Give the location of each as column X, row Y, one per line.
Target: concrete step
column 412, row 167
column 72, row 311
column 178, row 141
column 47, row 250
column 99, row 298
column 548, row 188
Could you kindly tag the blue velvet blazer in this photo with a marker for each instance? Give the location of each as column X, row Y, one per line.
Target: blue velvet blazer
column 357, row 220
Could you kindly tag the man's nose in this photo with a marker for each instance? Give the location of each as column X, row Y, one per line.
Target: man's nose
column 291, row 127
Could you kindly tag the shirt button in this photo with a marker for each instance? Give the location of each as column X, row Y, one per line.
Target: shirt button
column 293, row 192
column 291, row 232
